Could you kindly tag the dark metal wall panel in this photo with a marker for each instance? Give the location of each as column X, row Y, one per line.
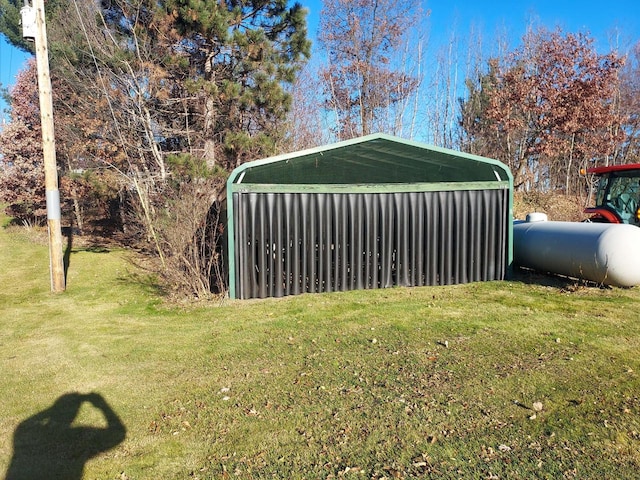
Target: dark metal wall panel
column 292, row 243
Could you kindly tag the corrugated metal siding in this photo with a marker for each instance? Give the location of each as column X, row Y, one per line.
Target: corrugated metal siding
column 292, row 243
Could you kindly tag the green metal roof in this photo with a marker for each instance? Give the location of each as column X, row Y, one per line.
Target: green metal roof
column 371, row 160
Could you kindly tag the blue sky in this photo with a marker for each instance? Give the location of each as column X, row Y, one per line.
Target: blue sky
column 601, row 19
column 11, row 61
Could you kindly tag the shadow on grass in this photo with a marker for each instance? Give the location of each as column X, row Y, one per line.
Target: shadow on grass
column 562, row 283
column 48, row 445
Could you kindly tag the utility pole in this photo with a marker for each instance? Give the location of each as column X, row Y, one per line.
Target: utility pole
column 33, row 23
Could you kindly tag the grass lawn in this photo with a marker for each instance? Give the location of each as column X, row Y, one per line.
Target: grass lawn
column 527, row 378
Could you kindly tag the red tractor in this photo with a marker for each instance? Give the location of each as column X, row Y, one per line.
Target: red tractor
column 618, row 194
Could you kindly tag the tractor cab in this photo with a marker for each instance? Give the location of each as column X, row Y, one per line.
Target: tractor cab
column 618, row 195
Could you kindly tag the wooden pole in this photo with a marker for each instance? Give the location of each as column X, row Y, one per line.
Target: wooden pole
column 56, row 258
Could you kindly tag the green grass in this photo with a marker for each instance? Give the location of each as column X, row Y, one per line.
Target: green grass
column 401, row 383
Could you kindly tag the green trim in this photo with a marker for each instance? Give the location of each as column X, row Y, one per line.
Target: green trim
column 510, row 227
column 366, row 188
column 231, row 239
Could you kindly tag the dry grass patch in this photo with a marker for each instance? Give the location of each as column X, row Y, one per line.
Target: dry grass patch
column 558, row 207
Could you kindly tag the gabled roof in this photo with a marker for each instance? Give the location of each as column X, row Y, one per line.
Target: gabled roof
column 376, row 159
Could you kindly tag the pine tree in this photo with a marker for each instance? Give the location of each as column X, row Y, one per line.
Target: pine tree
column 213, row 72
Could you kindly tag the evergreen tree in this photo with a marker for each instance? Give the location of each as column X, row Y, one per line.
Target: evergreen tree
column 10, row 24
column 212, row 73
column 476, row 134
column 203, row 77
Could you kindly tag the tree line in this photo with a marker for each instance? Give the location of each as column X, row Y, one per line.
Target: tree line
column 157, row 101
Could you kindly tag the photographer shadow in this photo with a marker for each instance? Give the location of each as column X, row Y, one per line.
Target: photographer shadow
column 48, row 445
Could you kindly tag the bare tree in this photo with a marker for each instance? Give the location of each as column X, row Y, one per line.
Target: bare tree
column 367, row 78
column 307, row 126
column 629, row 109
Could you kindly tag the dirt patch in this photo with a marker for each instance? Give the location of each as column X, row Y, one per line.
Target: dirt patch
column 558, row 207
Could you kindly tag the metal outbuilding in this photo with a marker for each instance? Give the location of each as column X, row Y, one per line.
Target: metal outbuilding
column 373, row 212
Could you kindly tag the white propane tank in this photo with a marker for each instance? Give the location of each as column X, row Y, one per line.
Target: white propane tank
column 601, row 252
column 537, row 217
